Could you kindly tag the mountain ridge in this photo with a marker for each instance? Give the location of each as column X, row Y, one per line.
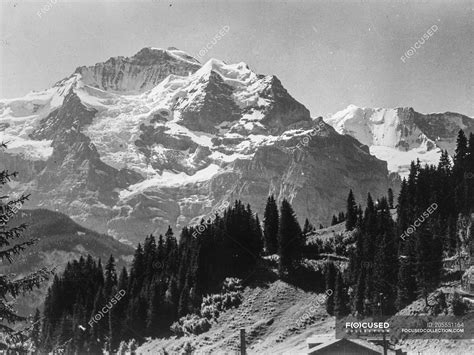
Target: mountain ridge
column 134, row 144
column 401, row 135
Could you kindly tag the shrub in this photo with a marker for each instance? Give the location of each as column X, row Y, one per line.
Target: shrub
column 458, row 306
column 211, row 307
column 232, row 284
column 190, row 324
column 440, row 303
column 188, row 348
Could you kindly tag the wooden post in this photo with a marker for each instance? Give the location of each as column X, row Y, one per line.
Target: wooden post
column 242, row 342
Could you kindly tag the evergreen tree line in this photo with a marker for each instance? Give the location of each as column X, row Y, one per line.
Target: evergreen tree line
column 386, row 271
column 283, row 235
column 166, row 280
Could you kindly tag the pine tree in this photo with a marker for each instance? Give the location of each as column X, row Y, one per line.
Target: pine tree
column 340, row 297
column 12, row 287
column 351, row 214
column 406, row 283
column 270, row 226
column 360, row 216
column 341, row 217
column 101, row 327
column 290, row 238
column 461, row 149
column 390, row 197
column 137, row 272
column 428, row 249
column 459, row 174
column 308, row 228
column 358, row 303
column 444, row 162
column 334, row 221
column 330, row 273
column 386, row 258
column 118, row 322
column 110, row 277
column 469, row 173
column 35, row 334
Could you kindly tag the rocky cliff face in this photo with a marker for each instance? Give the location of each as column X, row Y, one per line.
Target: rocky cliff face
column 401, row 135
column 142, row 72
column 133, row 145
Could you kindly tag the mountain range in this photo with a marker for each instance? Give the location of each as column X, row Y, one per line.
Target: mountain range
column 401, row 135
column 134, row 144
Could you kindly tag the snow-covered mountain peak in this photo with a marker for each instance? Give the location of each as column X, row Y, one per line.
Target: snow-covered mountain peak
column 171, row 51
column 235, row 75
column 139, row 73
column 400, row 135
column 157, row 139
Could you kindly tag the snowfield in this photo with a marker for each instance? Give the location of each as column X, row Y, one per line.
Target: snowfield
column 401, row 135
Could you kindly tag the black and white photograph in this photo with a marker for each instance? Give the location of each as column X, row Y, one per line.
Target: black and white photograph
column 242, row 177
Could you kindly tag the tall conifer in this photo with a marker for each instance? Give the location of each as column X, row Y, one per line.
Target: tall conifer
column 270, row 226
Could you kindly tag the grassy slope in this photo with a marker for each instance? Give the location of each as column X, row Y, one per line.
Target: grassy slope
column 270, row 311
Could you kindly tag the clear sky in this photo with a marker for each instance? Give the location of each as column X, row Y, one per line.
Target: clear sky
column 328, row 54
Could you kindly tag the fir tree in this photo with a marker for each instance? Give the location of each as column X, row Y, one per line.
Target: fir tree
column 444, row 165
column 270, row 226
column 461, row 149
column 459, row 174
column 308, row 228
column 351, row 214
column 358, row 303
column 35, row 334
column 406, row 283
column 110, row 277
column 330, row 272
column 290, row 238
column 340, row 297
column 390, row 198
column 385, row 274
column 341, row 217
column 469, row 173
column 10, row 286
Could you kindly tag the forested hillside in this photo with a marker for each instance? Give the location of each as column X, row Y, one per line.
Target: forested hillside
column 392, row 261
